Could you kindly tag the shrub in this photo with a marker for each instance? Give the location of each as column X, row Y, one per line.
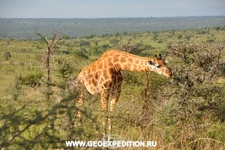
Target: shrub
column 32, row 80
column 195, row 77
column 182, row 112
column 7, row 55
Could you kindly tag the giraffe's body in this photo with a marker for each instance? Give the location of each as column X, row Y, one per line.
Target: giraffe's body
column 104, row 75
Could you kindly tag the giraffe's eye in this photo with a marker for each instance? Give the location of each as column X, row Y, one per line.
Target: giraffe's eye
column 159, row 66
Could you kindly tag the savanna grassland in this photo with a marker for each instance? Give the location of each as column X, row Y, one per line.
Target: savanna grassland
column 184, row 112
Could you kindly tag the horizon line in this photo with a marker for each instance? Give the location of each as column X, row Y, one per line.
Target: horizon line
column 111, row 17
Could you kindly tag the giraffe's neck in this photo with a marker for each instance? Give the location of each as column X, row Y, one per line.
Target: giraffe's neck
column 127, row 61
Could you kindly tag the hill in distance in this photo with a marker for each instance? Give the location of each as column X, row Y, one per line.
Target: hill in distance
column 22, row 28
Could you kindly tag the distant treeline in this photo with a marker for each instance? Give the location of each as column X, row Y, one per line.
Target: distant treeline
column 77, row 27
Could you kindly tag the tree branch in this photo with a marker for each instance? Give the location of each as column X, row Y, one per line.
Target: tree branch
column 19, row 132
column 39, row 34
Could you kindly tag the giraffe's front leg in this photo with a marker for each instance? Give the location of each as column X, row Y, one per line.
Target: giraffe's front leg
column 104, row 99
column 80, row 102
column 115, row 98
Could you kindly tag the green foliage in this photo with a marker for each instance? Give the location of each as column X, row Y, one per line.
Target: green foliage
column 194, row 91
column 38, row 126
column 32, row 80
column 66, row 52
column 192, row 102
column 7, row 55
column 114, row 41
column 216, row 28
column 80, row 55
column 84, row 43
column 17, row 89
column 179, row 36
column 64, row 68
column 117, row 34
column 195, row 76
column 105, row 46
column 77, row 27
column 90, row 36
column 124, row 33
column 95, row 50
column 185, row 112
column 128, row 47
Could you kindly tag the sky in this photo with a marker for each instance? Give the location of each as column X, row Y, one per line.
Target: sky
column 109, row 8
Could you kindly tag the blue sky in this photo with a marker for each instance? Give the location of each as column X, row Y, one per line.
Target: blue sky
column 109, row 8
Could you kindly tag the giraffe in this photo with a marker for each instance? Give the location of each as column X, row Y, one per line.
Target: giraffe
column 104, row 77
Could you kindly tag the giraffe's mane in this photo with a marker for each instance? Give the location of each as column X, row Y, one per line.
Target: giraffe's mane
column 113, row 52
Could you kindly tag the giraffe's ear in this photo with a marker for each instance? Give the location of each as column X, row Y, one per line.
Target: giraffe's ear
column 165, row 60
column 160, row 56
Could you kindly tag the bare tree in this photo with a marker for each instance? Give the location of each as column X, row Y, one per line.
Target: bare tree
column 51, row 46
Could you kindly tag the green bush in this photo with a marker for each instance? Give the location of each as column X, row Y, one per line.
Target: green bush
column 182, row 112
column 7, row 55
column 32, row 80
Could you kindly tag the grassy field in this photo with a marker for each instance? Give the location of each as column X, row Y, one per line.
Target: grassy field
column 172, row 112
column 26, row 55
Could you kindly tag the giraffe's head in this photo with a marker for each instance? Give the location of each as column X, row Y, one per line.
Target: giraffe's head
column 158, row 65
